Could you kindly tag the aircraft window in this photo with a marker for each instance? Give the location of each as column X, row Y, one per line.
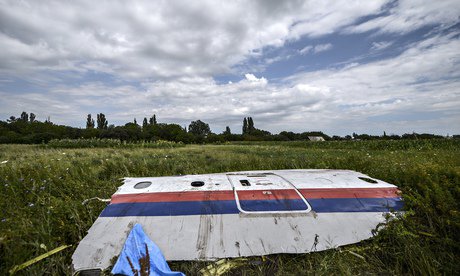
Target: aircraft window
column 197, row 183
column 244, row 182
column 142, row 185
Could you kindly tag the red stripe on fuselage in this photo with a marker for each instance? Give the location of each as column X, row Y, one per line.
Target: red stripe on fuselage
column 257, row 195
column 350, row 193
column 174, row 196
column 268, row 194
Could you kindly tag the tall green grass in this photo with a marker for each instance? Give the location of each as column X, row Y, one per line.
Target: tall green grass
column 406, row 144
column 43, row 189
column 110, row 143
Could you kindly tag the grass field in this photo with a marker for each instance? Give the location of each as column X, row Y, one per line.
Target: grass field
column 43, row 188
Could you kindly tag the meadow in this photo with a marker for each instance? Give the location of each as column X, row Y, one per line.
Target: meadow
column 43, row 187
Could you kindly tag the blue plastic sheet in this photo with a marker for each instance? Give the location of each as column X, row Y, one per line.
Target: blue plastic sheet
column 135, row 248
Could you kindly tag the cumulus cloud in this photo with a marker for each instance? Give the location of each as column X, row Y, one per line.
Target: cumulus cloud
column 253, row 79
column 161, row 57
column 145, row 39
column 424, row 78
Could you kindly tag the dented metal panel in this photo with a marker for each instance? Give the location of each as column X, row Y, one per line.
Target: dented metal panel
column 240, row 214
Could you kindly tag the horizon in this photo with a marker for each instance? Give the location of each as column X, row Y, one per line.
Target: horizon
column 300, row 66
column 186, row 127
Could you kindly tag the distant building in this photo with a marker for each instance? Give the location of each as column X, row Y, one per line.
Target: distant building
column 316, row 138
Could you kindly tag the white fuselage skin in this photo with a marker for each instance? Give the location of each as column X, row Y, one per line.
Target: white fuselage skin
column 215, row 236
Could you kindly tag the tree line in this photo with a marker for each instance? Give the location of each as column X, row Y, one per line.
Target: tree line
column 25, row 129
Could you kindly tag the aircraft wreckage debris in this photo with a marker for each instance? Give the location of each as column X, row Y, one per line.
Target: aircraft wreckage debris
column 238, row 214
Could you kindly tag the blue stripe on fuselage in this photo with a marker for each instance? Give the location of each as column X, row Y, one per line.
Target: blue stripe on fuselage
column 184, row 208
column 273, row 205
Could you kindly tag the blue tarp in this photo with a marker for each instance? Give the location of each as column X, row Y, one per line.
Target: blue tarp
column 135, row 248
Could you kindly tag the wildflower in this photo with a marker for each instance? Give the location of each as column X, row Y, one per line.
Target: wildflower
column 3, row 219
column 31, row 205
column 4, row 162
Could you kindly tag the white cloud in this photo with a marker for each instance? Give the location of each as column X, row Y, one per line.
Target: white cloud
column 409, row 15
column 315, row 49
column 327, row 17
column 424, row 79
column 377, row 46
column 322, row 47
column 162, row 56
column 166, row 39
column 253, row 79
column 305, row 50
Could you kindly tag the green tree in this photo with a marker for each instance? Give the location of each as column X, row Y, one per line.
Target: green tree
column 250, row 127
column 245, row 126
column 101, row 121
column 89, row 121
column 24, row 117
column 32, row 117
column 144, row 123
column 171, row 132
column 227, row 131
column 133, row 131
column 199, row 128
column 153, row 120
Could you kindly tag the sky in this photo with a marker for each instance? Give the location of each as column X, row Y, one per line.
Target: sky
column 333, row 66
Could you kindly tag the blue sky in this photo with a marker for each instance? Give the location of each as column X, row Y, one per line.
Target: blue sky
column 334, row 66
